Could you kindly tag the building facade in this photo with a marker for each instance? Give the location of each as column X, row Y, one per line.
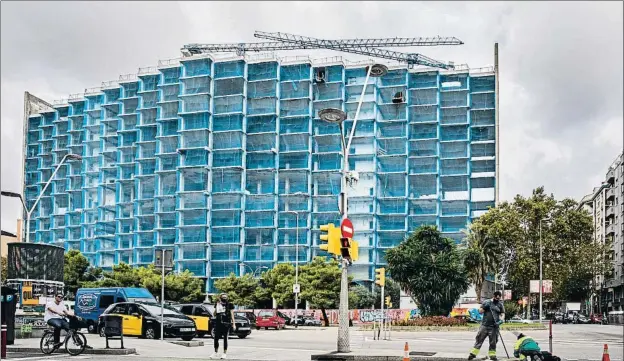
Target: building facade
column 226, row 162
column 606, row 205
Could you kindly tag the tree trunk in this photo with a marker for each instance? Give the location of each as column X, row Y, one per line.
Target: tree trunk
column 325, row 319
column 478, row 289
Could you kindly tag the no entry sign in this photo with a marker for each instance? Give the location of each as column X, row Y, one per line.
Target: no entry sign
column 346, row 227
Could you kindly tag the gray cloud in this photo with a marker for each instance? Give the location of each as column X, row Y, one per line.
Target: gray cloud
column 561, row 65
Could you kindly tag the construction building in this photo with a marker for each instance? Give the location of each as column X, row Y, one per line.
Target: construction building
column 606, row 205
column 224, row 160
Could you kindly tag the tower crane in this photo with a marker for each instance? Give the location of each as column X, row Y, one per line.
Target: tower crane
column 285, row 41
column 411, row 59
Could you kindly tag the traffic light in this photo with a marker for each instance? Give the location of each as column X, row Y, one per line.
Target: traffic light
column 380, row 276
column 388, row 303
column 332, row 238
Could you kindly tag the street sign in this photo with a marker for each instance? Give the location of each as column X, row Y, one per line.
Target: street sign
column 507, row 295
column 167, row 257
column 546, row 286
column 346, row 227
column 296, row 288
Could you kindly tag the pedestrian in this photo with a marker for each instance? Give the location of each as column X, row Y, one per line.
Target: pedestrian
column 224, row 320
column 526, row 346
column 493, row 315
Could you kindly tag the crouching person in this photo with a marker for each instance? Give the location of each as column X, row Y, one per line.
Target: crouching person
column 526, row 346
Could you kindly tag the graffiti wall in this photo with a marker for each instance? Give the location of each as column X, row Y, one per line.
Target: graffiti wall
column 357, row 316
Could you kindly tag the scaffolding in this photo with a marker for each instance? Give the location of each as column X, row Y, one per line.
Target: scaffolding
column 217, row 159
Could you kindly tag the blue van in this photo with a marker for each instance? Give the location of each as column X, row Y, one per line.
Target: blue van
column 91, row 302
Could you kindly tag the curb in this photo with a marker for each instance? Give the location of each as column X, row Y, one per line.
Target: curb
column 350, row 357
column 92, row 351
column 187, row 343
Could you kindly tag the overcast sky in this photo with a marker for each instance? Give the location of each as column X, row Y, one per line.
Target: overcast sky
column 560, row 66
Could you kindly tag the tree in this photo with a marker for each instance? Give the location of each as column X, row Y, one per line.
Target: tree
column 242, row 291
column 78, row 273
column 320, row 284
column 360, row 297
column 430, row 268
column 4, row 270
column 180, row 287
column 571, row 258
column 278, row 282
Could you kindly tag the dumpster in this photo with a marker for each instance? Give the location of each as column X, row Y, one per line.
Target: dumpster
column 9, row 304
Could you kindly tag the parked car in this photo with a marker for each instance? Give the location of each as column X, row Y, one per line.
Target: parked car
column 143, row 319
column 91, row 302
column 518, row 319
column 202, row 315
column 287, row 319
column 251, row 317
column 311, row 321
column 270, row 319
column 581, row 319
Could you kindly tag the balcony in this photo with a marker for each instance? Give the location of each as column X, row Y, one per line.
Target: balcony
column 610, row 229
column 610, row 194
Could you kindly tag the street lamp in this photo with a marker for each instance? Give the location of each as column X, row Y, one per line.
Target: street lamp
column 541, row 250
column 296, row 265
column 29, row 212
column 333, row 115
column 253, row 272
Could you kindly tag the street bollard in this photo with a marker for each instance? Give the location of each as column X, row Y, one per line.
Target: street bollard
column 550, row 337
column 3, row 354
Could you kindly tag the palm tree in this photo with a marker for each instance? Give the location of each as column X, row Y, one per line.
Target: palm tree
column 481, row 256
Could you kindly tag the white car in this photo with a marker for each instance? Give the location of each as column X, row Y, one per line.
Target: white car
column 518, row 319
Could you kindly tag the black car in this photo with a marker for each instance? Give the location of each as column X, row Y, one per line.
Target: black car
column 143, row 320
column 202, row 314
column 251, row 317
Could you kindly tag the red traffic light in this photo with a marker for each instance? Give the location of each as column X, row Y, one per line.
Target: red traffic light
column 345, row 242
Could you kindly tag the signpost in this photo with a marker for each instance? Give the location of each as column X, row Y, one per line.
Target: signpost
column 346, row 227
column 164, row 260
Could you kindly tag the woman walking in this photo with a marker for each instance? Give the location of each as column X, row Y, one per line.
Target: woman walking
column 224, row 319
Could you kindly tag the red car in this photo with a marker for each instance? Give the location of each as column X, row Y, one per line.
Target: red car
column 270, row 319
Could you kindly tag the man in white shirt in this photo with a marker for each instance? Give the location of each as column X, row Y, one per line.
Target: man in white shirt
column 55, row 312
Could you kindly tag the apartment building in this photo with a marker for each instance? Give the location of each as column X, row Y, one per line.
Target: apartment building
column 606, row 205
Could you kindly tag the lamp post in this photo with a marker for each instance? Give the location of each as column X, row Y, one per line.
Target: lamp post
column 296, row 265
column 253, row 272
column 541, row 251
column 29, row 212
column 333, row 115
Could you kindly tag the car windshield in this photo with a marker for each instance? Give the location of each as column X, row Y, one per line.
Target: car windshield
column 155, row 310
column 265, row 314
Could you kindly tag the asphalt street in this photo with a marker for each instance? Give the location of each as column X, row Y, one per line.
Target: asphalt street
column 569, row 342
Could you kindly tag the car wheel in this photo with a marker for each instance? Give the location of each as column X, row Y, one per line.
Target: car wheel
column 150, row 333
column 187, row 338
column 101, row 332
column 266, row 328
column 91, row 327
column 242, row 336
column 257, row 327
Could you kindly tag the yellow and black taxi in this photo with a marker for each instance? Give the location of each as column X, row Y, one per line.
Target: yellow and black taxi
column 201, row 313
column 142, row 319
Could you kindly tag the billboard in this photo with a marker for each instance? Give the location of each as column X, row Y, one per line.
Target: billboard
column 546, row 286
column 33, row 261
